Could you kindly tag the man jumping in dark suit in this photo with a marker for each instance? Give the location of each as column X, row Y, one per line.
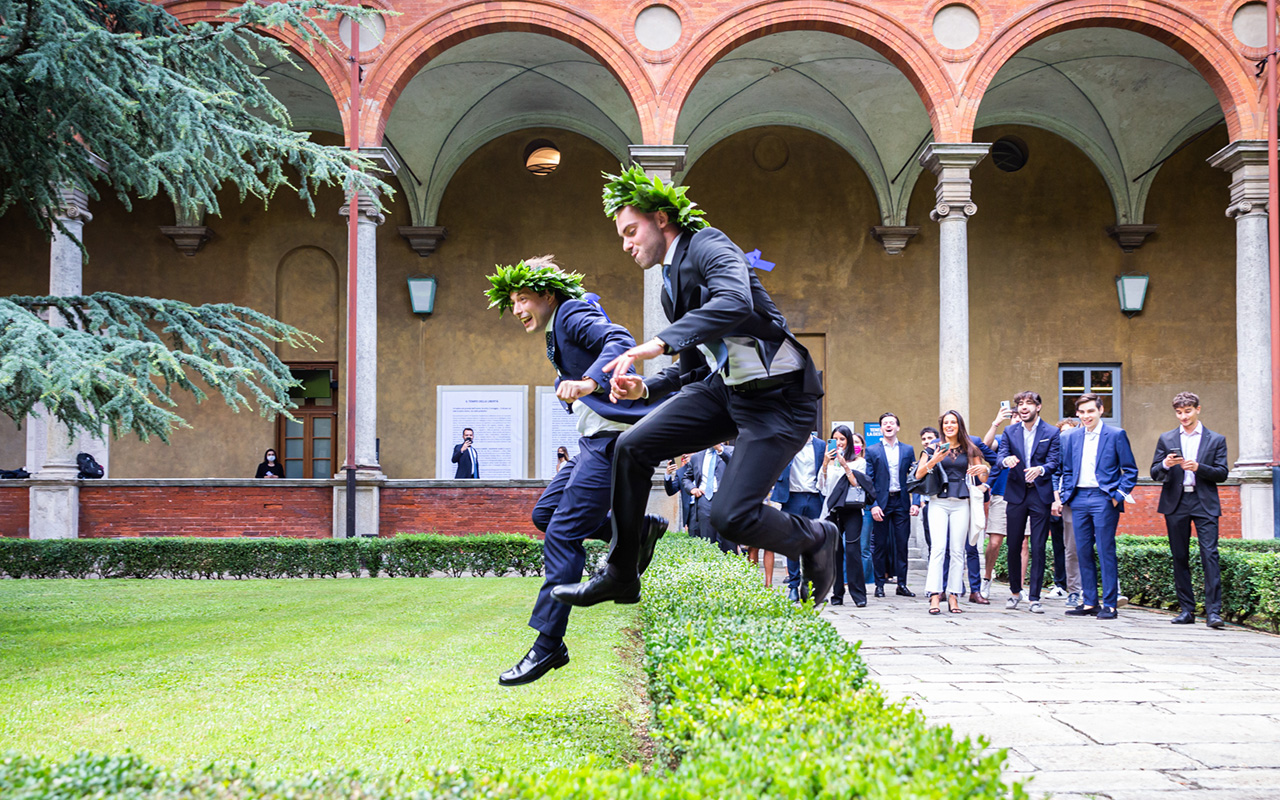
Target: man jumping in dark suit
column 741, row 373
column 580, row 341
column 1191, row 461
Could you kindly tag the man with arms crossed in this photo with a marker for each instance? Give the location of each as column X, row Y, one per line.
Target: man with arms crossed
column 1098, row 476
column 1191, row 461
column 741, row 373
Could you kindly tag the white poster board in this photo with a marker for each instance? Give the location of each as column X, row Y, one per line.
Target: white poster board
column 499, row 415
column 556, row 427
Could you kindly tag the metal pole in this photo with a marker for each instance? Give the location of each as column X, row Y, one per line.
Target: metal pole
column 353, row 239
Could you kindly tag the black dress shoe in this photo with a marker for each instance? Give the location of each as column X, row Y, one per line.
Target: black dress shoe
column 904, row 592
column 1107, row 613
column 879, row 591
column 819, row 566
column 860, row 603
column 654, row 527
column 1214, row 620
column 597, row 590
column 837, row 601
column 530, row 668
column 1082, row 611
column 1185, row 618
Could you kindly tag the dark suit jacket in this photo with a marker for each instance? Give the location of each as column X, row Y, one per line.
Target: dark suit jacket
column 584, row 342
column 1046, row 454
column 878, row 471
column 467, row 467
column 782, row 489
column 693, row 480
column 1116, row 470
column 716, row 295
column 1213, row 469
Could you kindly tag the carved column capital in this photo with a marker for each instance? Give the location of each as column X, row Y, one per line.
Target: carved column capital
column 944, row 210
column 662, row 160
column 1246, row 160
column 368, row 210
column 952, row 162
column 73, row 204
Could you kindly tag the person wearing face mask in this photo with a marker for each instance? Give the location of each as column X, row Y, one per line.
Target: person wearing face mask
column 270, row 467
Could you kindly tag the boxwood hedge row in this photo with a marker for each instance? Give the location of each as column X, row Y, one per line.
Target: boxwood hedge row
column 752, row 696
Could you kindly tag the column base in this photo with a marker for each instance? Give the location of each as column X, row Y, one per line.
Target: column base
column 1257, row 501
column 54, row 510
column 368, row 504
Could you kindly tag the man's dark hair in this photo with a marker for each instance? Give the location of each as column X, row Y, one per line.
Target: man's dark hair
column 1089, row 397
column 890, row 414
column 1186, row 400
column 1032, row 396
column 930, row 429
column 464, row 432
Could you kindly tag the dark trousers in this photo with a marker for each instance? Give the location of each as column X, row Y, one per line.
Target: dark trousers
column 849, row 521
column 1059, row 562
column 770, row 425
column 1095, row 517
column 577, row 500
column 809, row 506
column 1038, row 512
column 889, row 540
column 974, row 565
column 1178, row 524
column 706, row 529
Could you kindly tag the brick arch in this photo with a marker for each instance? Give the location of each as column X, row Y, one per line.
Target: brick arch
column 428, row 39
column 853, row 20
column 1207, row 51
column 331, row 70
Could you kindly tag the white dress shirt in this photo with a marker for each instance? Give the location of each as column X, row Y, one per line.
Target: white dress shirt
column 893, row 459
column 1029, row 442
column 804, row 471
column 708, row 485
column 1190, row 451
column 1089, row 459
column 588, row 422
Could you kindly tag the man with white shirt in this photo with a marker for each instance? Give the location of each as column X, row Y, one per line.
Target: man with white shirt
column 702, row 481
column 741, row 375
column 1098, row 476
column 1030, row 451
column 797, row 491
column 1191, row 461
column 888, row 462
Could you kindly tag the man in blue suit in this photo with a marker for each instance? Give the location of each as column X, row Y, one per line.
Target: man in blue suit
column 888, row 462
column 580, row 340
column 797, row 491
column 701, row 481
column 1098, row 476
column 464, row 455
column 1030, row 451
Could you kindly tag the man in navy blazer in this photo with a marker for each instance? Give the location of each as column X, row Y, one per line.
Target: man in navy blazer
column 702, row 490
column 580, row 340
column 797, row 491
column 1191, row 461
column 1098, row 476
column 464, row 455
column 1030, row 451
column 888, row 464
column 741, row 375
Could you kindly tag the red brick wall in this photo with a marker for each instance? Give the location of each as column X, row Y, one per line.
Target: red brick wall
column 13, row 511
column 1144, row 520
column 295, row 511
column 453, row 511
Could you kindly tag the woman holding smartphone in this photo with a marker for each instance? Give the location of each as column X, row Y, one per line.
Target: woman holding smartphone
column 843, row 482
column 959, row 459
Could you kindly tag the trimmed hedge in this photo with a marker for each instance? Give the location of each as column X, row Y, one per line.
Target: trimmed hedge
column 753, row 696
column 418, row 555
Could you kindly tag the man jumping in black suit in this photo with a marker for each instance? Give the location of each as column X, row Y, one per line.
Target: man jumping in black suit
column 741, row 373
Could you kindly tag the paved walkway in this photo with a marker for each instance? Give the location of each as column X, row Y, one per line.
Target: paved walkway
column 1128, row 709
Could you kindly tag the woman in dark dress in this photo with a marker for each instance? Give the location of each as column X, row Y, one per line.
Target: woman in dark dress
column 270, row 466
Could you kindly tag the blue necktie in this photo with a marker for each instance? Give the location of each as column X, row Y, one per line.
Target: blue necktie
column 721, row 351
column 666, row 283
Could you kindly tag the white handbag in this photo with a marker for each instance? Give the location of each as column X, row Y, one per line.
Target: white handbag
column 977, row 513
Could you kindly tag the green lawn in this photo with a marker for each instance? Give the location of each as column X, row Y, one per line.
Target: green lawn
column 300, row 675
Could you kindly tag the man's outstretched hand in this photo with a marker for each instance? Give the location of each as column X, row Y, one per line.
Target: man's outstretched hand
column 631, row 387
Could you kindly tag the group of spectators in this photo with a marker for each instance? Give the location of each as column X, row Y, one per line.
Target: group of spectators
column 1032, row 487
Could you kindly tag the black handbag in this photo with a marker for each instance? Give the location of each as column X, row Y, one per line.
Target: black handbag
column 930, row 485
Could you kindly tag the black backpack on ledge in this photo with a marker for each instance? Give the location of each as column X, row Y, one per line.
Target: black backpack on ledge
column 89, row 467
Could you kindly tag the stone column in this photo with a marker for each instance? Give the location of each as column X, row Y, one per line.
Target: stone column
column 1246, row 161
column 951, row 163
column 55, row 492
column 659, row 161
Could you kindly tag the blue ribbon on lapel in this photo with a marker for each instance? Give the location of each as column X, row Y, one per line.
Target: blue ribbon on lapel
column 756, row 262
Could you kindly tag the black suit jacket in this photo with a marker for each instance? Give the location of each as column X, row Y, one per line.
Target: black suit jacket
column 1047, row 454
column 1213, row 469
column 715, row 294
column 466, row 462
column 878, row 472
column 693, row 478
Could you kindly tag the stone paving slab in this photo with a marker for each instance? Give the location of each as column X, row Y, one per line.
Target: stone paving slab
column 1127, row 709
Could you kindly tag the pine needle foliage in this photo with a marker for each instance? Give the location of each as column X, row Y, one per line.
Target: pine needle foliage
column 632, row 187
column 114, row 362
column 119, row 93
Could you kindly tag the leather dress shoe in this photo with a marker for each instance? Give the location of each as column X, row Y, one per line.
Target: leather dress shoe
column 1185, row 618
column 819, row 566
column 1082, row 611
column 654, row 527
column 530, row 668
column 860, row 603
column 837, row 601
column 879, row 591
column 1214, row 620
column 599, row 589
column 904, row 592
column 1107, row 613
column 978, row 599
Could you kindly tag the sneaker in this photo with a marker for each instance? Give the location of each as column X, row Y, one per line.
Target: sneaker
column 1012, row 603
column 1073, row 600
column 1122, row 601
column 1055, row 593
column 985, row 591
column 1035, row 608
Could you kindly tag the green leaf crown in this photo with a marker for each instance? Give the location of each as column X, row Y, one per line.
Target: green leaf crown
column 540, row 276
column 649, row 194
